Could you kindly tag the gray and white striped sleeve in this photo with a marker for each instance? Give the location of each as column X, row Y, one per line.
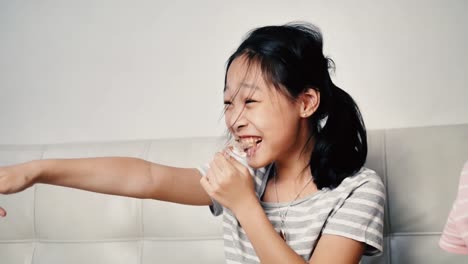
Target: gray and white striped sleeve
column 360, row 216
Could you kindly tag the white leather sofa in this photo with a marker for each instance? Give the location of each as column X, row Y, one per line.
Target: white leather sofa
column 52, row 225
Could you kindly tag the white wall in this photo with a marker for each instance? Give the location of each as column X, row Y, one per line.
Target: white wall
column 94, row 70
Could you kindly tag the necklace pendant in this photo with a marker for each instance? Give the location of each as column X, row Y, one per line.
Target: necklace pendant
column 282, row 234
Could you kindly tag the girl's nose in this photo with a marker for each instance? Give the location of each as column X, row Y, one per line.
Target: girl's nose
column 238, row 126
column 237, row 121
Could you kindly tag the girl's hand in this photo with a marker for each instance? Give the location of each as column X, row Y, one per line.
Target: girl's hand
column 229, row 182
column 16, row 178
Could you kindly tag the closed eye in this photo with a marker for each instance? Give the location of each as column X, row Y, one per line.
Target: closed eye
column 247, row 101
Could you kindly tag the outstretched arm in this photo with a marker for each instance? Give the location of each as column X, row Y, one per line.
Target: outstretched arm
column 123, row 176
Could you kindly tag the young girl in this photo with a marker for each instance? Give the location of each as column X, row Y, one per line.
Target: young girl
column 292, row 190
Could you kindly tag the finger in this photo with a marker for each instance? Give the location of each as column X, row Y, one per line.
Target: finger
column 227, row 169
column 2, row 212
column 206, row 186
column 221, row 159
column 228, row 151
column 217, row 167
column 213, row 180
column 234, row 163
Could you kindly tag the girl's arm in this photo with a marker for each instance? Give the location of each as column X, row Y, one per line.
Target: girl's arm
column 231, row 184
column 271, row 248
column 123, row 176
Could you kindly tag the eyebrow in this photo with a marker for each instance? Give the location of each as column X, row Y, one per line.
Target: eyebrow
column 246, row 85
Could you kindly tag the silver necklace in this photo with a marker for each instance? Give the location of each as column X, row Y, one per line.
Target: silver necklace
column 284, row 214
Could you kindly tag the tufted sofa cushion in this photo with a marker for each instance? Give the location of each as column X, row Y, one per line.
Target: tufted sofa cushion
column 50, row 224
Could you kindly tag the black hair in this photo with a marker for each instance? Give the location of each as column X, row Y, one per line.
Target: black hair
column 291, row 58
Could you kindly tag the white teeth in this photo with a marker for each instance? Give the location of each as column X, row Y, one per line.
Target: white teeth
column 247, row 143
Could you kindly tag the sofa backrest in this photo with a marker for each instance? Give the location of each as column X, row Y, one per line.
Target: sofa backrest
column 50, row 224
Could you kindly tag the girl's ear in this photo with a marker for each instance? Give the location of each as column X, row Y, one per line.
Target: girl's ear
column 309, row 101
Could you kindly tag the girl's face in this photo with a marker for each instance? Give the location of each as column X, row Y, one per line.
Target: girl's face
column 266, row 123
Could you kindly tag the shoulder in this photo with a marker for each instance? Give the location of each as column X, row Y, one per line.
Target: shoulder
column 365, row 189
column 364, row 178
column 358, row 210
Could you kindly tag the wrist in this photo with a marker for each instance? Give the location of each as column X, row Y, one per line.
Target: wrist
column 36, row 170
column 245, row 209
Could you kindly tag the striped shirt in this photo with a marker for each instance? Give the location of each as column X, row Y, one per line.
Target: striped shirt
column 455, row 235
column 354, row 209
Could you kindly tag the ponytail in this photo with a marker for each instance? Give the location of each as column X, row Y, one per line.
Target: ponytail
column 340, row 148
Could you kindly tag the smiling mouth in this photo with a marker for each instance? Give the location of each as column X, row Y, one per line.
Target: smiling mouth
column 249, row 145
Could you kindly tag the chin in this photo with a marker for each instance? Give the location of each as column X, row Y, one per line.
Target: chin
column 257, row 163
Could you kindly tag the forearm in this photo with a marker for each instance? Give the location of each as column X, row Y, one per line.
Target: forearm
column 124, row 176
column 268, row 245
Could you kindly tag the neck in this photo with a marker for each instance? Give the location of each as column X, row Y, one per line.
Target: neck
column 292, row 172
column 295, row 169
column 295, row 166
column 292, row 178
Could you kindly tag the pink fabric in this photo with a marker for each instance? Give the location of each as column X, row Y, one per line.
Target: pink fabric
column 455, row 236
